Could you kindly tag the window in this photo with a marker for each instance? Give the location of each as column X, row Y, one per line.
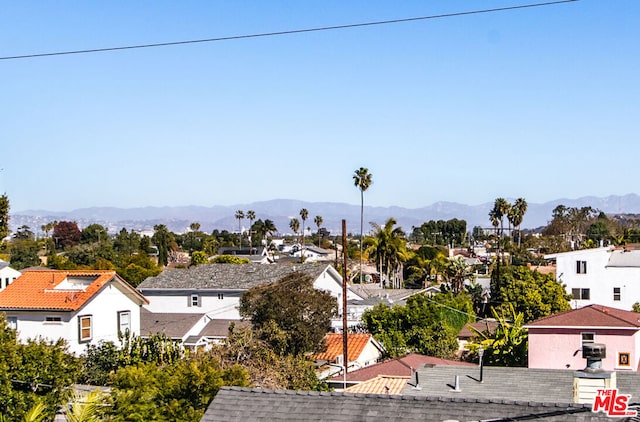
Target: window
column 220, row 296
column 581, row 267
column 588, row 338
column 581, row 294
column 12, row 322
column 624, row 359
column 616, row 293
column 124, row 322
column 53, row 319
column 85, row 331
column 194, row 300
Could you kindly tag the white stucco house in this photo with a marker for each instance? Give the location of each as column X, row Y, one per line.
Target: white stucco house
column 214, row 290
column 81, row 307
column 7, row 274
column 607, row 276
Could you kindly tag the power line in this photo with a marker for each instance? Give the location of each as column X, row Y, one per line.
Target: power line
column 290, row 32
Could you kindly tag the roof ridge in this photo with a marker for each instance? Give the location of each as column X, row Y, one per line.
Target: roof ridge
column 311, row 393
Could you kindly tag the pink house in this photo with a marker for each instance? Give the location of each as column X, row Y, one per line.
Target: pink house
column 555, row 342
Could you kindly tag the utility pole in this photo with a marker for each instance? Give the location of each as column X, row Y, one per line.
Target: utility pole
column 345, row 351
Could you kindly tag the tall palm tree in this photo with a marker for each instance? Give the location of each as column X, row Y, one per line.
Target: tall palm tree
column 294, row 224
column 318, row 220
column 240, row 217
column 388, row 246
column 304, row 214
column 516, row 215
column 251, row 215
column 362, row 179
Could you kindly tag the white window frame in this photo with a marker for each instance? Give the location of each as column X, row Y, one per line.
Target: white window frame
column 617, row 294
column 194, row 300
column 584, row 341
column 82, row 337
column 123, row 328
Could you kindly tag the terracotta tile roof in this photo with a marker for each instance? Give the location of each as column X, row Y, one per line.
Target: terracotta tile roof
column 403, row 366
column 590, row 316
column 355, row 344
column 58, row 290
column 381, row 384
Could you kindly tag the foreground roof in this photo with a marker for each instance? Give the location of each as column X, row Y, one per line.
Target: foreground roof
column 61, row 290
column 228, row 276
column 501, row 383
column 590, row 316
column 243, row 404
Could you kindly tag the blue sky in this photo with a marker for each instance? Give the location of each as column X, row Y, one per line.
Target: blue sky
column 541, row 103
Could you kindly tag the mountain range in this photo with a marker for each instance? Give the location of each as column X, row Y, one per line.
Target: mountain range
column 178, row 219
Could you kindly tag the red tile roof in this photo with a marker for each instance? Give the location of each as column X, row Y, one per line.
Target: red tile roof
column 590, row 316
column 355, row 345
column 51, row 290
column 399, row 367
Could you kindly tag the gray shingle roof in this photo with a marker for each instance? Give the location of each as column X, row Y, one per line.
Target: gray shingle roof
column 172, row 325
column 227, row 276
column 220, row 327
column 243, row 404
column 500, row 383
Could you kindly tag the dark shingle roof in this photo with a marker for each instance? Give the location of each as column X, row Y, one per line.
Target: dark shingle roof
column 500, row 383
column 172, row 325
column 220, row 327
column 227, row 276
column 243, row 404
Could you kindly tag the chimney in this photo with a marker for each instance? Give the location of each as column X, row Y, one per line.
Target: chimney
column 588, row 381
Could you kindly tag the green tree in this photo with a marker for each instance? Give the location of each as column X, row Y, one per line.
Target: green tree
column 388, row 247
column 456, row 273
column 239, row 216
column 199, row 258
column 516, row 215
column 230, row 259
column 251, row 216
column 94, row 233
column 161, row 239
column 294, row 225
column 24, row 232
column 508, row 344
column 290, row 314
column 362, row 180
column 304, row 214
column 24, row 254
column 318, row 222
column 4, row 216
column 427, row 325
column 531, row 293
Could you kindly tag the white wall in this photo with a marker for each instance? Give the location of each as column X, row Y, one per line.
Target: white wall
column 210, row 304
column 7, row 275
column 103, row 307
column 599, row 279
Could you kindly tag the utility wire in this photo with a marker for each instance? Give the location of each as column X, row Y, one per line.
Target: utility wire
column 290, row 32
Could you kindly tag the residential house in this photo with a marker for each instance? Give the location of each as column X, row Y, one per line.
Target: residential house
column 556, row 341
column 239, row 404
column 363, row 350
column 7, row 274
column 607, row 276
column 215, row 290
column 82, row 307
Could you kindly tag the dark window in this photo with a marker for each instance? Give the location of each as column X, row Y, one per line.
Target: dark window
column 53, row 319
column 580, row 294
column 588, row 338
column 616, row 293
column 194, row 300
column 581, row 267
column 220, row 296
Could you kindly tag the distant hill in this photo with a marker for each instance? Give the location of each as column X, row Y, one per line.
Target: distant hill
column 178, row 219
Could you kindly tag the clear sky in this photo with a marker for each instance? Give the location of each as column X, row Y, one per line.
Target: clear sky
column 541, row 103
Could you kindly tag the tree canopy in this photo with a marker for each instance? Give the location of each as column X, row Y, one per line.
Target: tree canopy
column 290, row 314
